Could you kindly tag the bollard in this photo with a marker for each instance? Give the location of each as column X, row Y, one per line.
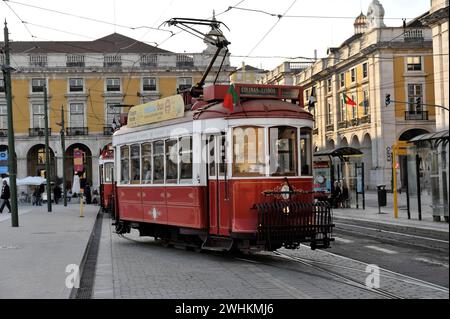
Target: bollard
column 81, row 205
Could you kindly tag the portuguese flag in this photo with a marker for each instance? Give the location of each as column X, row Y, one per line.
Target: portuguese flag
column 231, row 98
column 348, row 100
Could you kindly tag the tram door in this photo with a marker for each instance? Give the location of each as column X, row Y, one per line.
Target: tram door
column 219, row 208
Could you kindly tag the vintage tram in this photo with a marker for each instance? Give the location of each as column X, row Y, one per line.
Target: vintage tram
column 199, row 171
column 106, row 176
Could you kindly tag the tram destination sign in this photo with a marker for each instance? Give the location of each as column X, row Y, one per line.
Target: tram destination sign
column 168, row 108
column 268, row 91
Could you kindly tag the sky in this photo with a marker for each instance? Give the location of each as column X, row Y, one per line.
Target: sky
column 258, row 39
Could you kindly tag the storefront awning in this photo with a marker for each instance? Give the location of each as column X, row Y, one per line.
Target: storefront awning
column 340, row 152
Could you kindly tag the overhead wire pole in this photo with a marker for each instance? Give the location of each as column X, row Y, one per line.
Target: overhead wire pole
column 6, row 69
column 63, row 147
column 47, row 154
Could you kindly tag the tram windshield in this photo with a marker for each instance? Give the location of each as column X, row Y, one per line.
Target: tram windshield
column 248, row 151
column 283, row 151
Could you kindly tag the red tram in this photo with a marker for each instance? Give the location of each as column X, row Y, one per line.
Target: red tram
column 190, row 169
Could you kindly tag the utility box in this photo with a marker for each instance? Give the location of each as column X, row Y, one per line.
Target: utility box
column 381, row 190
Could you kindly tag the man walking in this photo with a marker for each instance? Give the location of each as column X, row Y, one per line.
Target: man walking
column 5, row 196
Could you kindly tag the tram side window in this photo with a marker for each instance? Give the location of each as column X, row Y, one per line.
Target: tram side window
column 108, row 167
column 306, row 151
column 147, row 163
column 185, row 150
column 135, row 164
column 158, row 162
column 248, row 151
column 124, row 165
column 283, row 151
column 171, row 161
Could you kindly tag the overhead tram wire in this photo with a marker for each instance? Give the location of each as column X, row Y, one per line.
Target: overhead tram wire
column 22, row 21
column 270, row 30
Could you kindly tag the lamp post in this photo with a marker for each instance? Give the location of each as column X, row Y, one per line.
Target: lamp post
column 6, row 70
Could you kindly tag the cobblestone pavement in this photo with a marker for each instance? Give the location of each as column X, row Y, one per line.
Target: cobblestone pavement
column 142, row 268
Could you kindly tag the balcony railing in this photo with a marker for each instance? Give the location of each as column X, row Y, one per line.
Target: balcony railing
column 316, row 131
column 342, row 124
column 364, row 119
column 75, row 131
column 329, row 128
column 37, row 131
column 3, row 133
column 107, row 130
column 412, row 35
column 416, row 115
column 353, row 122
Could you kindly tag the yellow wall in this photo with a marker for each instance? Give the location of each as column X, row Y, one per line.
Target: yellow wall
column 21, row 108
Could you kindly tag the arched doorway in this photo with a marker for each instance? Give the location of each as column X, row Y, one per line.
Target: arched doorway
column 402, row 159
column 366, row 148
column 78, row 161
column 36, row 160
column 344, row 142
column 330, row 145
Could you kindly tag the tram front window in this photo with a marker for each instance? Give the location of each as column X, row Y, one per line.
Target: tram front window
column 124, row 165
column 283, row 151
column 306, row 151
column 248, row 151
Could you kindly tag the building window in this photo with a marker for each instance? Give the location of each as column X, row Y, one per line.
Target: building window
column 184, row 83
column 2, row 85
column 113, row 85
column 341, row 80
column 112, row 114
column 329, row 86
column 76, row 85
column 3, row 117
column 329, row 114
column 414, row 63
column 76, row 115
column 125, row 165
column 37, row 85
column 415, row 95
column 353, row 75
column 37, row 60
column 75, row 60
column 343, row 113
column 110, row 61
column 354, row 108
column 38, row 116
column 366, row 108
column 149, row 84
column 364, row 70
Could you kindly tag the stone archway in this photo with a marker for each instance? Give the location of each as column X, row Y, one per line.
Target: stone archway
column 36, row 162
column 78, row 161
column 330, row 145
column 344, row 142
column 366, row 148
column 355, row 142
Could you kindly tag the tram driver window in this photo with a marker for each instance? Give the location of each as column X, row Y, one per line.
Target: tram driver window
column 248, row 151
column 158, row 162
column 135, row 164
column 171, row 161
column 306, row 151
column 108, row 168
column 124, row 165
column 283, row 151
column 146, row 163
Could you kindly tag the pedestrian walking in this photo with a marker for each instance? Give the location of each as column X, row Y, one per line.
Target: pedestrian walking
column 5, row 196
column 87, row 193
column 57, row 192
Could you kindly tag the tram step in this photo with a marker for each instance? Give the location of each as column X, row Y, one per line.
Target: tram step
column 217, row 243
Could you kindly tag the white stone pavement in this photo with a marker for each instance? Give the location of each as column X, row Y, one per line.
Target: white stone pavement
column 34, row 256
column 371, row 214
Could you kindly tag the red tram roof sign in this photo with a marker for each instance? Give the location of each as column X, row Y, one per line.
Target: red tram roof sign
column 255, row 91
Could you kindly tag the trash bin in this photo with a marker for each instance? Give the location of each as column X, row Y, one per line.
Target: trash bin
column 381, row 190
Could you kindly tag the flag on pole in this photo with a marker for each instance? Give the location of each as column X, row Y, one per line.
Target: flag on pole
column 231, row 98
column 348, row 100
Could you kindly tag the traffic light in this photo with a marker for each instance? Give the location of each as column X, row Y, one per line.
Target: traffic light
column 388, row 99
